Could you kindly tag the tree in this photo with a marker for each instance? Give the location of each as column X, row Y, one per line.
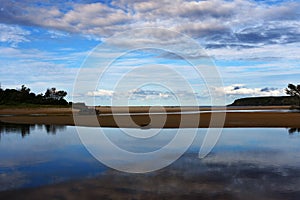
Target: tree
column 294, row 91
column 61, row 94
column 24, row 96
column 25, row 89
column 54, row 94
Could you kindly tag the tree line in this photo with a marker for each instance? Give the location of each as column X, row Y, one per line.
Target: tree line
column 25, row 96
column 52, row 96
column 294, row 91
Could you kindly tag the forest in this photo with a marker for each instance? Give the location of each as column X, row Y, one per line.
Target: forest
column 24, row 96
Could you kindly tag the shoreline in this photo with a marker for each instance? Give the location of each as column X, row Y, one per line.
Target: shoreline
column 130, row 109
column 268, row 117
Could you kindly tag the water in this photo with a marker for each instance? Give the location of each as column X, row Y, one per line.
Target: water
column 246, row 163
column 37, row 155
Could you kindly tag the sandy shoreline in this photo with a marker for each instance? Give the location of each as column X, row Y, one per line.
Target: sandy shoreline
column 28, row 111
column 133, row 109
column 63, row 116
column 153, row 109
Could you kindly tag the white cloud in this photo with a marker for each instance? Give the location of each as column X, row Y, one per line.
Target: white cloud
column 226, row 28
column 204, row 19
column 101, row 93
column 144, row 95
column 57, row 34
column 237, row 29
column 13, row 34
column 274, row 51
column 242, row 90
column 37, row 69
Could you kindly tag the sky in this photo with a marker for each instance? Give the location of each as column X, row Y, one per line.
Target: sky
column 251, row 47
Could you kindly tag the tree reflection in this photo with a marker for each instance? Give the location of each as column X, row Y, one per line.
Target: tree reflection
column 52, row 129
column 293, row 130
column 25, row 129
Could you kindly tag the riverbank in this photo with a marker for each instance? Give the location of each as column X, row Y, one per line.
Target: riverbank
column 261, row 117
column 64, row 110
column 35, row 109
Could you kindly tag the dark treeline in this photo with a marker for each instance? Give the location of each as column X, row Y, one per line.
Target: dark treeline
column 24, row 96
column 266, row 101
column 24, row 129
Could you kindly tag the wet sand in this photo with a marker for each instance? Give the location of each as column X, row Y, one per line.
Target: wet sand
column 63, row 116
column 132, row 109
column 153, row 109
column 28, row 111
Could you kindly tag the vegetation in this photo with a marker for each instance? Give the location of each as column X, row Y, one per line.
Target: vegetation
column 266, row 101
column 23, row 96
column 292, row 100
column 294, row 91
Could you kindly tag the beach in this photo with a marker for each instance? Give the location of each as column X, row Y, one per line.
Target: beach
column 190, row 117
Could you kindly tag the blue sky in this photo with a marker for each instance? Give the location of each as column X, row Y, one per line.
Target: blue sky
column 253, row 44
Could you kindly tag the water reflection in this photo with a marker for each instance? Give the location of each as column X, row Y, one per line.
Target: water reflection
column 25, row 129
column 42, row 158
column 52, row 129
column 188, row 178
column 292, row 131
column 256, row 163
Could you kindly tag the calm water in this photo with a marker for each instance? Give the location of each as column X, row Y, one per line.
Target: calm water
column 259, row 163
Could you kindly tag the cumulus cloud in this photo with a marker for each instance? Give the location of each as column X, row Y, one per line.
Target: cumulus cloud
column 89, row 18
column 242, row 90
column 219, row 23
column 270, row 33
column 101, row 93
column 149, row 94
column 232, row 30
column 143, row 94
column 132, row 94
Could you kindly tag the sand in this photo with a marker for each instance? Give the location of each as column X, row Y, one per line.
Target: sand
column 28, row 111
column 143, row 109
column 63, row 116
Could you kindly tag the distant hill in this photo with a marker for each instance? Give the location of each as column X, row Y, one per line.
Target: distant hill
column 266, row 101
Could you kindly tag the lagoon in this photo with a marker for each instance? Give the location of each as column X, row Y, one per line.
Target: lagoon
column 246, row 163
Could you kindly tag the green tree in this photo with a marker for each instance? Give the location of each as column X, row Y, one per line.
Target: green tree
column 54, row 94
column 25, row 89
column 24, row 96
column 294, row 90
